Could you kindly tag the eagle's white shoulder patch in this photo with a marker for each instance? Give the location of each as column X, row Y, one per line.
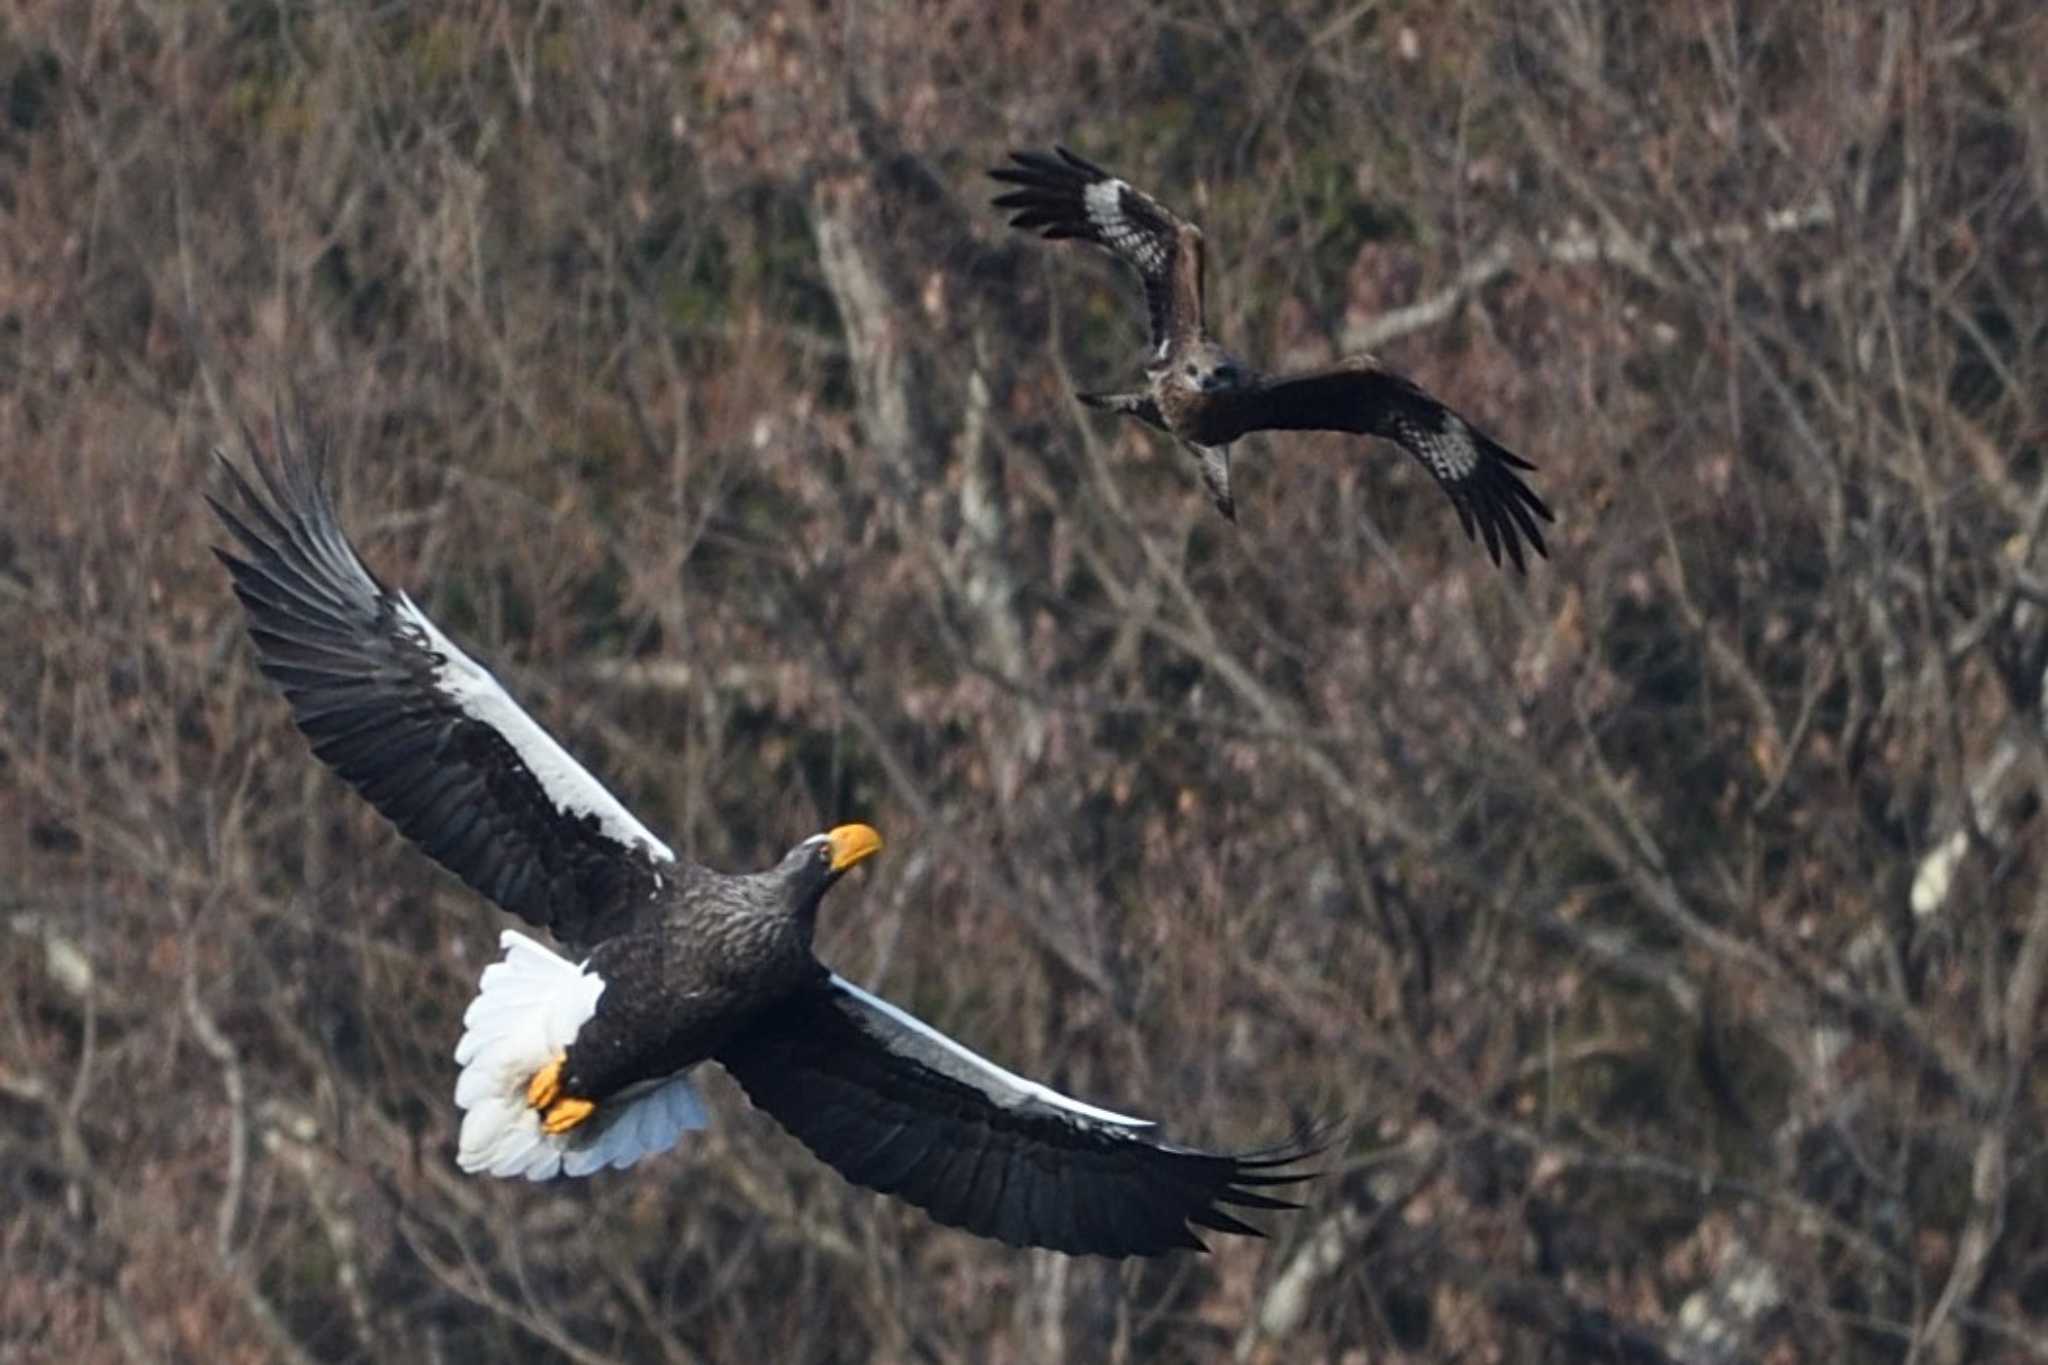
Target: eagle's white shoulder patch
column 567, row 784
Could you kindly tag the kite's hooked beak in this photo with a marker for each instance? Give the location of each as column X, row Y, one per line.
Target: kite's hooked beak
column 852, row 844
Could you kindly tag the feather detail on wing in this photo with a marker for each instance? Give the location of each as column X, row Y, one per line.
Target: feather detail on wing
column 1066, row 196
column 417, row 726
column 894, row 1105
column 1477, row 472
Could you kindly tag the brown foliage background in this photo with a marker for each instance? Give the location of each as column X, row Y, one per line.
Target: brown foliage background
column 1669, row 926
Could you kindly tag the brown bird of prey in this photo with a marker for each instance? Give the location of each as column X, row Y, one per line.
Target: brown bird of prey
column 571, row 1064
column 1201, row 393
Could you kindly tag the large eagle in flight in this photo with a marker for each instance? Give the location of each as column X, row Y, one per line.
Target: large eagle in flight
column 572, row 1064
column 1208, row 397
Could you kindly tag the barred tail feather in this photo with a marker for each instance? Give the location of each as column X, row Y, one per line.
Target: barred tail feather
column 528, row 1009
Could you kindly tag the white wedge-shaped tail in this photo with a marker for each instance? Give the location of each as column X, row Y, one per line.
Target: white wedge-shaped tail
column 528, row 1009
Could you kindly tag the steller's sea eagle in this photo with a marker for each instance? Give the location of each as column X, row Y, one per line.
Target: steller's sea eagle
column 572, row 1064
column 1207, row 397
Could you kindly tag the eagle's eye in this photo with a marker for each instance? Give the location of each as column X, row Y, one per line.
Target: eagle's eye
column 1193, row 371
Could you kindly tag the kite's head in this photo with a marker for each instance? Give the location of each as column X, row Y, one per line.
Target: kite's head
column 1211, row 369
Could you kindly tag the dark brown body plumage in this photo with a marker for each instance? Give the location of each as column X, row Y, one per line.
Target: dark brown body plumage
column 1198, row 418
column 726, row 951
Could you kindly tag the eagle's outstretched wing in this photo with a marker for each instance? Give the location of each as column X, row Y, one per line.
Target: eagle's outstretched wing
column 1067, row 196
column 894, row 1105
column 420, row 729
column 1361, row 396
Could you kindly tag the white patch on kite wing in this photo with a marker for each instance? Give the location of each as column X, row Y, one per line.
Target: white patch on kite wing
column 1448, row 449
column 1104, row 200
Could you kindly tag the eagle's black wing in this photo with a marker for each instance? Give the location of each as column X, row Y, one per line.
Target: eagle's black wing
column 894, row 1105
column 1065, row 196
column 422, row 730
column 1361, row 396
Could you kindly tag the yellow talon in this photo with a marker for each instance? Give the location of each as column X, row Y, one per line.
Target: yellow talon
column 558, row 1112
column 563, row 1115
column 546, row 1086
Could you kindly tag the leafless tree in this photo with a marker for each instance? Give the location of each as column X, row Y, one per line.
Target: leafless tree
column 1668, row 927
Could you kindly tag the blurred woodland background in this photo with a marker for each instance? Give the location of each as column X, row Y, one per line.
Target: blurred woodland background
column 1671, row 925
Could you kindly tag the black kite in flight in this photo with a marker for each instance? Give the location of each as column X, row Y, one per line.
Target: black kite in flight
column 1201, row 393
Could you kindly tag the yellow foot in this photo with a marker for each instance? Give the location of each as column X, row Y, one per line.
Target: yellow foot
column 563, row 1115
column 546, row 1086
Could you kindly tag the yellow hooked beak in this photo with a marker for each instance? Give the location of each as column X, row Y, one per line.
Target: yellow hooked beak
column 852, row 843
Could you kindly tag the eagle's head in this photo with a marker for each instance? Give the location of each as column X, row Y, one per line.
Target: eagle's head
column 807, row 872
